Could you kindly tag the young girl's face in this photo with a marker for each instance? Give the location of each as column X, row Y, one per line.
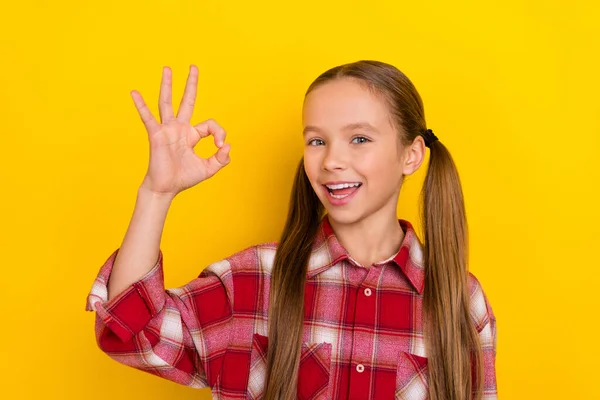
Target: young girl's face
column 349, row 138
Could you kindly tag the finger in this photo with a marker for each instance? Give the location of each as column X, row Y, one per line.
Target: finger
column 211, row 127
column 165, row 106
column 144, row 112
column 186, row 107
column 219, row 160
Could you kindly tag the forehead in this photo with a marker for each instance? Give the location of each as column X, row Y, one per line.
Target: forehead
column 341, row 102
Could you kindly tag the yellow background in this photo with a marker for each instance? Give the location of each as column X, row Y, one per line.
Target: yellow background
column 510, row 87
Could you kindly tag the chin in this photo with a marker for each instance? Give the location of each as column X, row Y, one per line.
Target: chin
column 344, row 216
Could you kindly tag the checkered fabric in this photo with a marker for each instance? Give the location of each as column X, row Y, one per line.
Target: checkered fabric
column 362, row 332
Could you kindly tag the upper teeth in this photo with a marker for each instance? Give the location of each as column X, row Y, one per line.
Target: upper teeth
column 342, row 185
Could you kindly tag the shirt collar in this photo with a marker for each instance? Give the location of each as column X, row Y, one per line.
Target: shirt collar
column 328, row 251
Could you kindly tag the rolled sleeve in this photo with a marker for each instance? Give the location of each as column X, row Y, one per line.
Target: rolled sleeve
column 129, row 312
column 179, row 334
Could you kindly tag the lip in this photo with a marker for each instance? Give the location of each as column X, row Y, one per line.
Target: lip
column 339, row 202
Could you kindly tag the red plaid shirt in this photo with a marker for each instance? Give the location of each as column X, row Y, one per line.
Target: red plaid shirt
column 362, row 335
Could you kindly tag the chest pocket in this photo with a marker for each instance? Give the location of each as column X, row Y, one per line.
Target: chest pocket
column 313, row 373
column 411, row 377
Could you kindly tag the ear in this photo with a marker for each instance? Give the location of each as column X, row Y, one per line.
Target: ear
column 414, row 155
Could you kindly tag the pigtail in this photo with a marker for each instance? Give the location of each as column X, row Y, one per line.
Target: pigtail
column 454, row 352
column 286, row 301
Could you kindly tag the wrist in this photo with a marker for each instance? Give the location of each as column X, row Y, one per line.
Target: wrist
column 154, row 197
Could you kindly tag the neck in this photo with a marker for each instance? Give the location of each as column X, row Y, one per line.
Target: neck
column 372, row 239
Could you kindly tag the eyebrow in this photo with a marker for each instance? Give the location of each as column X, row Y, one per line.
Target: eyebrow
column 352, row 126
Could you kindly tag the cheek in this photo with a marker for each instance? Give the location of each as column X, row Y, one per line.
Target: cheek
column 374, row 163
column 310, row 168
column 380, row 170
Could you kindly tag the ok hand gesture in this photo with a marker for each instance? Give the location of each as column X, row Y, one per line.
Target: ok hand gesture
column 173, row 165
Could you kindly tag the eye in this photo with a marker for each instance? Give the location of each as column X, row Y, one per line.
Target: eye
column 309, row 143
column 362, row 137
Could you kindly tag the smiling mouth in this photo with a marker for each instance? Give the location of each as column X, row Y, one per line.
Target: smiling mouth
column 342, row 191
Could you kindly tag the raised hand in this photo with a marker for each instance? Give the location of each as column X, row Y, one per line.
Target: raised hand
column 173, row 165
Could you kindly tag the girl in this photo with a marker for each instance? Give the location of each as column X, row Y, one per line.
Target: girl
column 348, row 304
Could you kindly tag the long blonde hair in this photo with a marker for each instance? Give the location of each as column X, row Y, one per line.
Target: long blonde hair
column 454, row 356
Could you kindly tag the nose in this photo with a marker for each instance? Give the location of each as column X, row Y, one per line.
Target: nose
column 335, row 159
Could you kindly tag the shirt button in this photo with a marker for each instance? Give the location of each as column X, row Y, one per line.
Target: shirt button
column 360, row 368
column 367, row 292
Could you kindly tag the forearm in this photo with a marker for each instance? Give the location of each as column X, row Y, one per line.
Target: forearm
column 140, row 248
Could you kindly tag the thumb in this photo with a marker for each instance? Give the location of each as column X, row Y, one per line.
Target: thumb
column 219, row 159
column 223, row 153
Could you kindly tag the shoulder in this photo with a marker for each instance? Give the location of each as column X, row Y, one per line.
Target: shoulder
column 241, row 272
column 252, row 259
column 481, row 309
